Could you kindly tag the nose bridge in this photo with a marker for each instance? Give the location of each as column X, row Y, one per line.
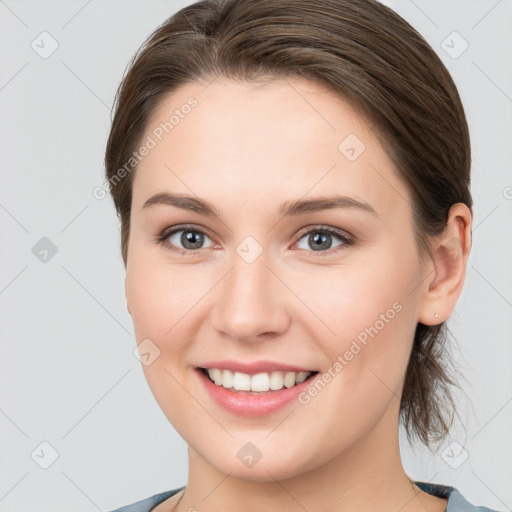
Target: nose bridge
column 250, row 302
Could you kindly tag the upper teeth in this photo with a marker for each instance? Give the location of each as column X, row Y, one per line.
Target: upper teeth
column 259, row 382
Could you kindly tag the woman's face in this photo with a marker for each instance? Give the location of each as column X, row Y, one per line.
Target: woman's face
column 329, row 289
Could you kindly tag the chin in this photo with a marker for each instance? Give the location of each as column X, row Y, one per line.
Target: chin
column 270, row 463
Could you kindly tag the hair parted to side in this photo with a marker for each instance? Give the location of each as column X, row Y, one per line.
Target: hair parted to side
column 369, row 56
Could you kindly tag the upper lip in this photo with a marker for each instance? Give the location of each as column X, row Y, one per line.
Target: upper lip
column 254, row 367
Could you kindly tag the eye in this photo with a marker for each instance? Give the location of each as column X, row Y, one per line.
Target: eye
column 184, row 239
column 189, row 239
column 321, row 239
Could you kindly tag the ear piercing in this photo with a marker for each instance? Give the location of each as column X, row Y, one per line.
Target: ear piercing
column 436, row 314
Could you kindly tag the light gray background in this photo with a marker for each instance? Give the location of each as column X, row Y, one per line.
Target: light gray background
column 68, row 373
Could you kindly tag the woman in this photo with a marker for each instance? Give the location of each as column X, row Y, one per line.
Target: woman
column 292, row 180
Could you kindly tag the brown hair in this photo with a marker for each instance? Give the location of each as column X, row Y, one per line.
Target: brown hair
column 372, row 58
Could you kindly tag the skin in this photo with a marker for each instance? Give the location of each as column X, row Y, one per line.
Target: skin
column 247, row 149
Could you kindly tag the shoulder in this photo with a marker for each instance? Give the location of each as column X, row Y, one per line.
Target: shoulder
column 456, row 502
column 148, row 504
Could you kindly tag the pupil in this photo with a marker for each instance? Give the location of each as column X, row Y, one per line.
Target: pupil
column 320, row 241
column 191, row 239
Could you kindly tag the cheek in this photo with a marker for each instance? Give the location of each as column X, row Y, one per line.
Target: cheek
column 374, row 328
column 371, row 316
column 372, row 341
column 161, row 299
column 160, row 296
column 350, row 299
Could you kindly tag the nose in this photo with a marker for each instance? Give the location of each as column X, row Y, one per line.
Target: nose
column 251, row 303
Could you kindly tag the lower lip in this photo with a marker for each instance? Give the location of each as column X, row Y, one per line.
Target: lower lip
column 253, row 405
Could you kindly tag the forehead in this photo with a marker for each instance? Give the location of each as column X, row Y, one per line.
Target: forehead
column 249, row 143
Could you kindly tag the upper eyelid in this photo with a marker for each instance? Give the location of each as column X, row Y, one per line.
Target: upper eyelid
column 176, row 229
column 319, row 227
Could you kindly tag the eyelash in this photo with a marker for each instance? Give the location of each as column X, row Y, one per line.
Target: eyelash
column 345, row 238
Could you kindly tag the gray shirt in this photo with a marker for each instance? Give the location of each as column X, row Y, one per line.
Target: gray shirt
column 456, row 502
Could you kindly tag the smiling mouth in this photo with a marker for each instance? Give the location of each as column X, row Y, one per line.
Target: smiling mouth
column 265, row 382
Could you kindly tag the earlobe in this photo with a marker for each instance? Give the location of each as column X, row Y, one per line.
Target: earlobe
column 450, row 253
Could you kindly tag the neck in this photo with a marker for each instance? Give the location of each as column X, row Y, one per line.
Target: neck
column 366, row 476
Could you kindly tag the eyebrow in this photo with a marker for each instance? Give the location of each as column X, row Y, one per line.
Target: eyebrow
column 289, row 208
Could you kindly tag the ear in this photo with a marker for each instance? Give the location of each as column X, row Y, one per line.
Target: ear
column 447, row 270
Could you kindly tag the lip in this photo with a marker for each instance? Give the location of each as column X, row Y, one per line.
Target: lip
column 254, row 367
column 244, row 404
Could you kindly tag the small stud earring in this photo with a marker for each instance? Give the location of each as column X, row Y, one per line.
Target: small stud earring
column 436, row 314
